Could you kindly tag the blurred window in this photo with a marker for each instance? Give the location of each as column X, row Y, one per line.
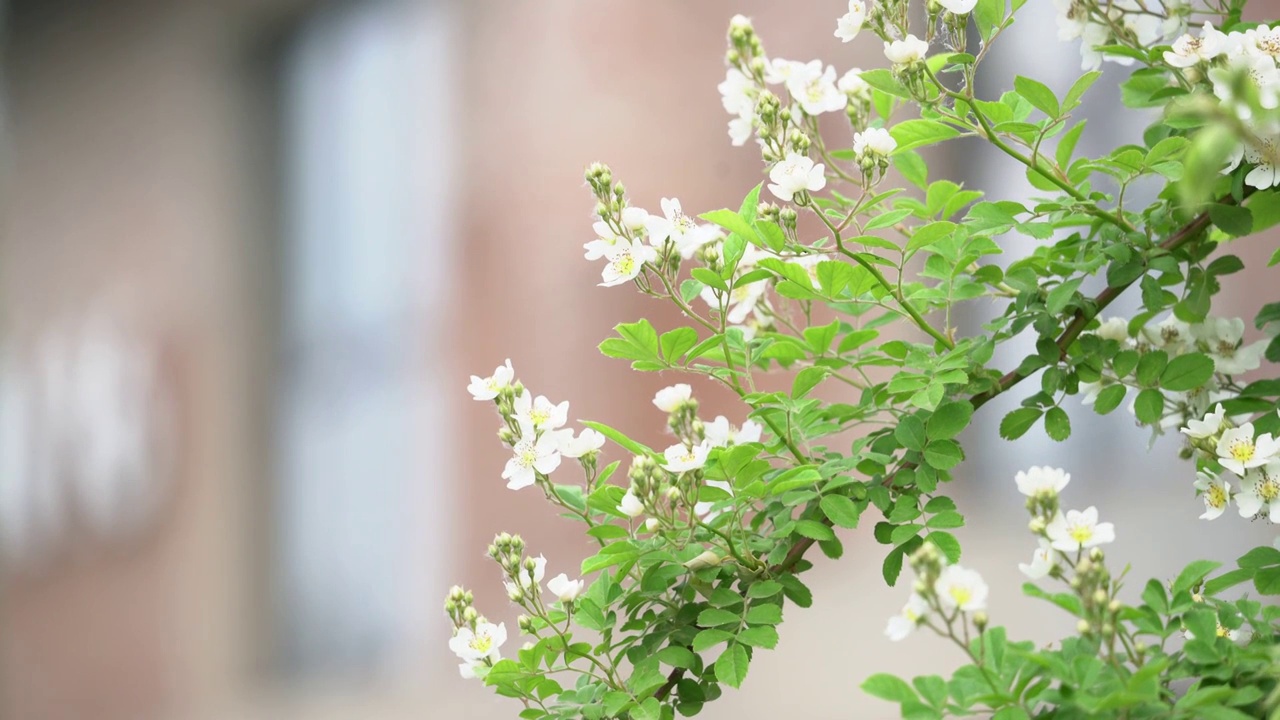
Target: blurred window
column 363, row 102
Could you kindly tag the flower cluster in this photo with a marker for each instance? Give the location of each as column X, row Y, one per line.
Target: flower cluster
column 1223, row 445
column 533, row 429
column 671, row 489
column 628, row 238
column 949, row 593
column 1095, row 23
column 1221, row 339
column 1241, row 69
column 476, row 641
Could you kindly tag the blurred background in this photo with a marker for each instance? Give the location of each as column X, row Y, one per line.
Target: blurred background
column 251, row 250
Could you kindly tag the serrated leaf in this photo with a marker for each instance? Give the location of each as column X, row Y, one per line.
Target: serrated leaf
column 840, row 510
column 911, row 433
column 1038, row 94
column 1057, row 424
column 911, row 134
column 1109, row 399
column 949, row 420
column 1017, row 423
column 1149, row 406
column 1187, row 372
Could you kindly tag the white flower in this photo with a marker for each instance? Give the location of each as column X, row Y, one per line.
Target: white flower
column 719, row 433
column 587, row 441
column 851, row 83
column 1189, row 51
column 677, row 227
column 850, row 23
column 1262, row 41
column 1089, row 392
column 532, row 454
column 876, row 142
column 778, row 71
column 904, row 623
column 1171, row 335
column 1216, row 494
column 815, row 89
column 682, row 458
column 1041, row 481
column 631, row 505
column 906, row 51
column 961, row 588
column 564, row 589
column 489, row 388
column 1079, row 529
column 1262, row 154
column 1114, row 328
column 626, row 260
column 1260, row 493
column 1223, row 337
column 670, row 399
column 958, row 7
column 1093, row 35
column 540, row 413
column 1238, row 450
column 652, row 525
column 740, row 129
column 737, row 93
column 794, row 174
column 1260, row 69
column 1041, row 561
column 1072, row 18
column 1208, row 427
column 606, row 238
column 482, row 644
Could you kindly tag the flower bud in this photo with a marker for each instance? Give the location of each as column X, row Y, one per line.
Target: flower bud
column 525, row 623
column 1083, row 627
column 1095, row 554
column 707, row 559
column 515, row 593
column 1037, row 524
column 1099, row 596
column 1114, row 606
column 980, row 620
column 470, row 615
column 652, row 525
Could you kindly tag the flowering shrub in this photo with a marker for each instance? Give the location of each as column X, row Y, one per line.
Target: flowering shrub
column 704, row 543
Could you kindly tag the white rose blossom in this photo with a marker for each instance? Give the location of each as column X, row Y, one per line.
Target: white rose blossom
column 719, row 433
column 1079, row 529
column 1224, row 339
column 1189, row 51
column 851, row 83
column 875, row 142
column 475, row 647
column 960, row 588
column 532, row 454
column 565, row 590
column 1114, row 328
column 901, row 626
column 1216, row 494
column 631, row 505
column 539, row 413
column 1208, row 427
column 814, row 88
column 1238, row 450
column 1042, row 561
column 1041, row 481
column 737, row 93
column 587, row 441
column 796, row 173
column 528, row 580
column 626, row 261
column 958, row 7
column 670, row 399
column 490, row 387
column 850, row 23
column 1260, row 493
column 682, row 458
column 906, row 51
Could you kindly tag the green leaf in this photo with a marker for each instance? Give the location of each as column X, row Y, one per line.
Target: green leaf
column 677, row 342
column 767, row 614
column 1149, row 406
column 731, row 221
column 930, row 234
column 947, row 543
column 1187, row 372
column 806, row 380
column 912, row 167
column 892, row 566
column 943, row 454
column 764, row 636
column 1267, row 581
column 911, row 433
column 889, row 687
column 1109, row 399
column 1193, row 574
column 1078, row 89
column 1057, row 424
column 814, row 530
column 1259, row 557
column 631, row 445
column 712, row 617
column 1232, row 219
column 731, row 666
column 1038, row 94
column 707, row 639
column 945, row 520
column 949, row 420
column 1017, row 423
column 840, row 510
column 1058, row 297
column 911, row 134
column 676, row 656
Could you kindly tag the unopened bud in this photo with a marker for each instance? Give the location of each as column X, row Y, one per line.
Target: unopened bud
column 1096, row 554
column 652, row 524
column 980, row 620
column 1114, row 606
column 515, row 593
column 707, row 559
column 1083, row 627
column 1099, row 596
column 1036, row 525
column 470, row 614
